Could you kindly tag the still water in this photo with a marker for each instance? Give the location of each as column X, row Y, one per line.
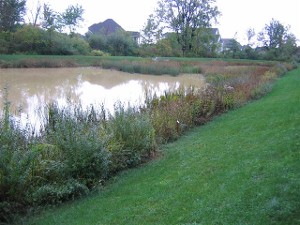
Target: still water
column 32, row 89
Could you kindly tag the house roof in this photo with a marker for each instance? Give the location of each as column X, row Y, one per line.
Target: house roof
column 227, row 41
column 214, row 31
column 107, row 27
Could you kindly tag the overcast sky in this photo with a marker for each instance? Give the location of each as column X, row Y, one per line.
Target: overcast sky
column 237, row 15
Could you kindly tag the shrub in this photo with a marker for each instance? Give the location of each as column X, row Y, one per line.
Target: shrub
column 134, row 135
column 120, row 44
column 280, row 69
column 172, row 113
column 76, row 134
column 5, row 42
column 97, row 42
column 98, row 53
column 54, row 193
column 15, row 165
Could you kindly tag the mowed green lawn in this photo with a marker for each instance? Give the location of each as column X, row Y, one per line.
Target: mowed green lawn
column 242, row 168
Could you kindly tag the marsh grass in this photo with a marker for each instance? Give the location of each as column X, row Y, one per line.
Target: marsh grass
column 38, row 63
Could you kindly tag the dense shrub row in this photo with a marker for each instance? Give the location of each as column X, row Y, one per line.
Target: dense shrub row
column 32, row 40
column 79, row 149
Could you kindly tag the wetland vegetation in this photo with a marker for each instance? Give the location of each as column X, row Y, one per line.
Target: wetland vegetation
column 79, row 148
column 242, row 168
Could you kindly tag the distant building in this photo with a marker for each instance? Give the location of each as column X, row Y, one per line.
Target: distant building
column 215, row 32
column 109, row 27
column 228, row 44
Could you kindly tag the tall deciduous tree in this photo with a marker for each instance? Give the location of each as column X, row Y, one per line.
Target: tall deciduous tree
column 185, row 16
column 273, row 35
column 250, row 35
column 35, row 14
column 151, row 31
column 72, row 17
column 11, row 14
column 277, row 40
column 49, row 18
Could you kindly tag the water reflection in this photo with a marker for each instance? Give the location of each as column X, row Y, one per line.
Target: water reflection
column 32, row 89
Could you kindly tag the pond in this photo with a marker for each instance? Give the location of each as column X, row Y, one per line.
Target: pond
column 32, row 89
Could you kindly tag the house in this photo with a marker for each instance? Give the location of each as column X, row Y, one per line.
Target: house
column 228, row 44
column 215, row 32
column 106, row 28
column 109, row 27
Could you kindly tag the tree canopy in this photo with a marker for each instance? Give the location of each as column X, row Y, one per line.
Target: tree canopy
column 72, row 17
column 184, row 17
column 69, row 19
column 277, row 40
column 11, row 14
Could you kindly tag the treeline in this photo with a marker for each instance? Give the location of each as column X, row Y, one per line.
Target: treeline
column 28, row 39
column 54, row 33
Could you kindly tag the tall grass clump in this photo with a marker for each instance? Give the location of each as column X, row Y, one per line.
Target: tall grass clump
column 143, row 67
column 149, row 67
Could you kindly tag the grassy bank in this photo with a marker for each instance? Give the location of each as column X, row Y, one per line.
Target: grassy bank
column 242, row 168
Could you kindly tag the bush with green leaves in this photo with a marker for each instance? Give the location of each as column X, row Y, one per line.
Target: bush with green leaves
column 33, row 40
column 75, row 133
column 15, row 165
column 121, row 44
column 131, row 137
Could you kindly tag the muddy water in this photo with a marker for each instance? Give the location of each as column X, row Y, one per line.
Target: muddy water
column 31, row 89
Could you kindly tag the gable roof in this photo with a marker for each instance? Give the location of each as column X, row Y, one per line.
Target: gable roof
column 107, row 27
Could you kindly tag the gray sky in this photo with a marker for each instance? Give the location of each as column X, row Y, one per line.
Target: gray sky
column 237, row 15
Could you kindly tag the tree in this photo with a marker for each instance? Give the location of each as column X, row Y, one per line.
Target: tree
column 206, row 43
column 120, row 43
column 273, row 35
column 277, row 40
column 151, row 31
column 289, row 49
column 97, row 41
column 72, row 17
column 184, row 17
column 49, row 18
column 250, row 35
column 11, row 14
column 29, row 39
column 35, row 13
